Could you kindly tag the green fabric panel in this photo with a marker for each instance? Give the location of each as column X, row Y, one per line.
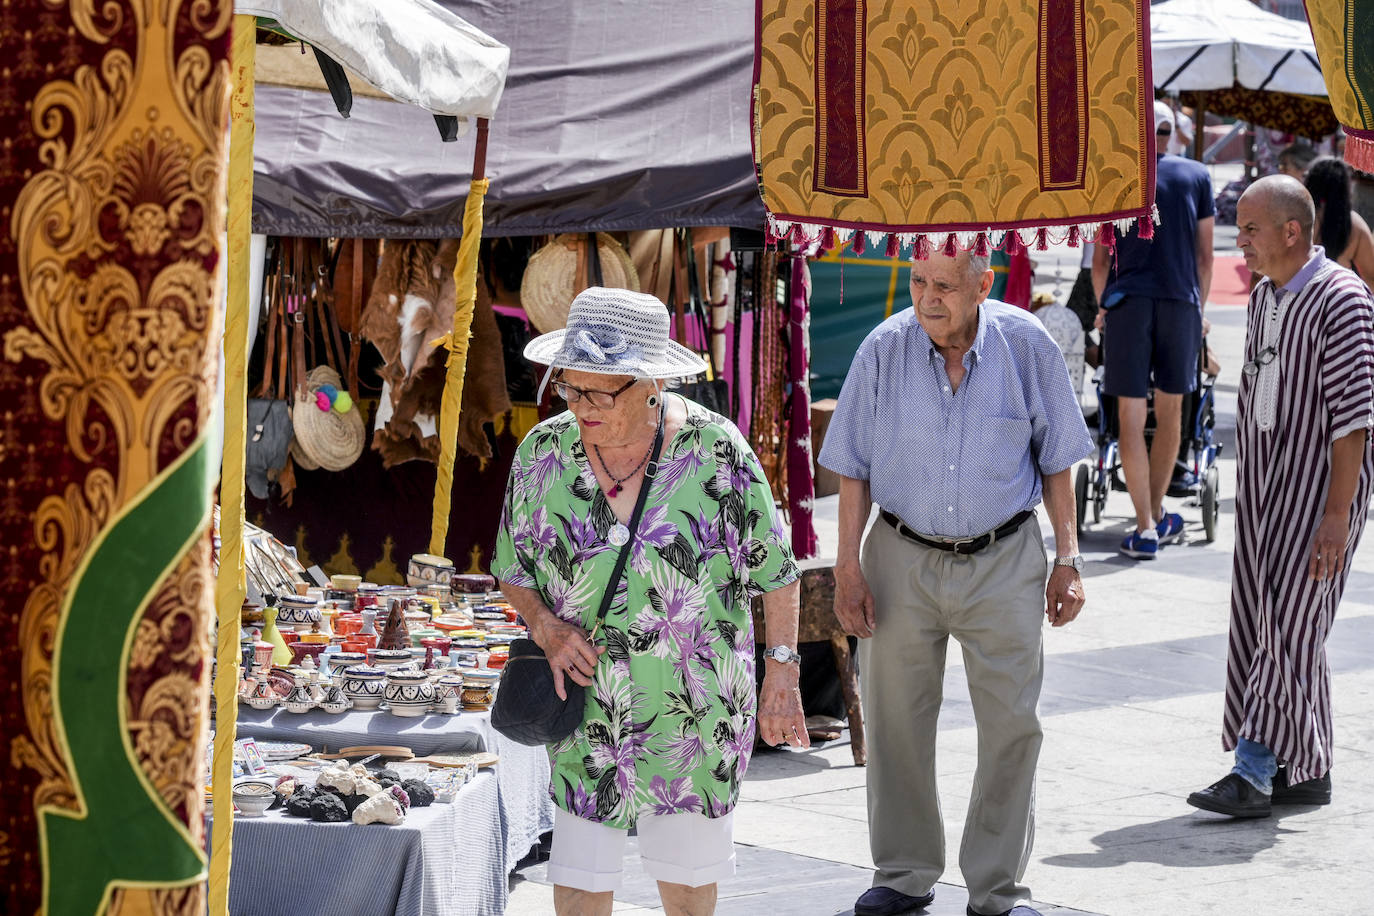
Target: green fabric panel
column 127, row 836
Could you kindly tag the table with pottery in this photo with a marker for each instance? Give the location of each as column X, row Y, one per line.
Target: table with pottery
column 399, row 677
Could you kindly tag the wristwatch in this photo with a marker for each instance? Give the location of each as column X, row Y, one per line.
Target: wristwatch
column 1076, row 561
column 783, row 654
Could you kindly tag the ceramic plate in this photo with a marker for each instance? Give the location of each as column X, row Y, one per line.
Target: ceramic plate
column 282, row 750
column 479, row 758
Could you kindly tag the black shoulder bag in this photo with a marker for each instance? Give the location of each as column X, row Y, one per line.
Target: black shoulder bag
column 527, row 710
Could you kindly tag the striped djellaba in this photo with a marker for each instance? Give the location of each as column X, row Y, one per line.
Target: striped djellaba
column 1318, row 389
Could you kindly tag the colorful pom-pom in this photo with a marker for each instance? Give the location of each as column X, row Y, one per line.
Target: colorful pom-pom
column 343, row 403
column 322, row 401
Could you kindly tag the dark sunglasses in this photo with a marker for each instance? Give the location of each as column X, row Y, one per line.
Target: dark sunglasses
column 602, row 399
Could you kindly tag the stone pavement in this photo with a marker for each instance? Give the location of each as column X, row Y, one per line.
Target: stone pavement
column 1131, row 712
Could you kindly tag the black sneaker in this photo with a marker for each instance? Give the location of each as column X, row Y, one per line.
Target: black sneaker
column 1312, row 792
column 1234, row 796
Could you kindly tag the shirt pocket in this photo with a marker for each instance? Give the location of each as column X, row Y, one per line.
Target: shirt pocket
column 1000, row 451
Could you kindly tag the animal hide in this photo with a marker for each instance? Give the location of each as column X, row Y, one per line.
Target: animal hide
column 412, row 304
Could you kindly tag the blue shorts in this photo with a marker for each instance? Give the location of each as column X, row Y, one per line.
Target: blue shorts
column 1151, row 342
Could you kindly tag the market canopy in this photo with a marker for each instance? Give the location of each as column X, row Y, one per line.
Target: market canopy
column 413, row 51
column 1236, row 60
column 633, row 116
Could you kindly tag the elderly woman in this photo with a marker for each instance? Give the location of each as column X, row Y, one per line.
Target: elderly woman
column 670, row 715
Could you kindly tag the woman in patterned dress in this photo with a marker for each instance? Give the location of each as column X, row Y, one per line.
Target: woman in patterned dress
column 671, row 708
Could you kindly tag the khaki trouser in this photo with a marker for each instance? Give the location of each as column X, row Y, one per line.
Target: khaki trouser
column 993, row 603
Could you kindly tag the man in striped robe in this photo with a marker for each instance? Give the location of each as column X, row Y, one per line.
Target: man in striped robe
column 1303, row 474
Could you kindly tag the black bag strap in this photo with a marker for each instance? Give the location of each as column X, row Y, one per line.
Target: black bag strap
column 649, row 471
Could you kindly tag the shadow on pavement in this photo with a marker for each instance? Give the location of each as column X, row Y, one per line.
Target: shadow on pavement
column 1188, row 841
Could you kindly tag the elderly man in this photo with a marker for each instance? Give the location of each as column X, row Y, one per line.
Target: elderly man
column 955, row 416
column 1303, row 472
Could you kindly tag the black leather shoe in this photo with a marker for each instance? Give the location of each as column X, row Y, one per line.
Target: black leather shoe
column 884, row 901
column 1234, row 796
column 1313, row 792
column 1022, row 910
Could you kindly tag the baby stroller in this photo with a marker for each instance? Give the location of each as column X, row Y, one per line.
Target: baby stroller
column 1102, row 473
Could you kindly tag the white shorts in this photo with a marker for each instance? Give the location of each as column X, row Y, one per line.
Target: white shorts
column 688, row 849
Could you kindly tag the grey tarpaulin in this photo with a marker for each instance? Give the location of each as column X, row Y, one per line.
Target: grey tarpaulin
column 616, row 115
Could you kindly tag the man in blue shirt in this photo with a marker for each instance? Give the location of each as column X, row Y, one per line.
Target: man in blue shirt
column 954, row 417
column 1152, row 325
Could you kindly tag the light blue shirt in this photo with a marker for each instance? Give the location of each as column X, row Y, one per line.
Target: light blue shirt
column 957, row 463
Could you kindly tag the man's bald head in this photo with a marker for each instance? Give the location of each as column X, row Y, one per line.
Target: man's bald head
column 1283, row 199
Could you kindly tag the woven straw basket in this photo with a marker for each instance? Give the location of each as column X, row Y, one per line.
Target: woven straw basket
column 550, row 281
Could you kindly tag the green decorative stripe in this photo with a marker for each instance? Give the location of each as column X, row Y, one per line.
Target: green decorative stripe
column 124, row 835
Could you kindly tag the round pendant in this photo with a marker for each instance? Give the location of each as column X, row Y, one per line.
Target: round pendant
column 618, row 535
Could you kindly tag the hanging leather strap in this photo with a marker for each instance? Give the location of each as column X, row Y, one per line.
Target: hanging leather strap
column 300, row 286
column 272, row 298
column 355, row 339
column 679, row 290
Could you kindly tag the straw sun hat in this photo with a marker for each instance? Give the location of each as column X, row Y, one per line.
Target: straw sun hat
column 326, row 438
column 550, row 280
column 615, row 332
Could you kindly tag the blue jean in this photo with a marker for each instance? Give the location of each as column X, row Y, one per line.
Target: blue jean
column 1256, row 764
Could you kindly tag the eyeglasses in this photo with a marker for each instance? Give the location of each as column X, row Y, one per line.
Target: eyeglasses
column 602, row 399
column 1263, row 358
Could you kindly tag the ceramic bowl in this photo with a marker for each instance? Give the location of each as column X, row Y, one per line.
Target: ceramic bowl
column 253, row 797
column 364, row 685
column 340, row 661
column 298, row 706
column 346, row 583
column 409, row 693
column 297, row 612
column 389, row 658
column 427, row 569
column 262, row 703
column 335, row 709
column 472, row 583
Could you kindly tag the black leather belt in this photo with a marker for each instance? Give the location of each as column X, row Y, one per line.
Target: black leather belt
column 962, row 546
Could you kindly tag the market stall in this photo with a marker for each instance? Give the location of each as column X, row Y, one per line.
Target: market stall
column 306, row 648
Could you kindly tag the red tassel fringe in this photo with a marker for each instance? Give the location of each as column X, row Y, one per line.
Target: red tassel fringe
column 923, row 247
column 1042, row 239
column 893, row 247
column 827, row 238
column 1074, row 237
column 1147, row 227
column 980, row 247
column 858, row 244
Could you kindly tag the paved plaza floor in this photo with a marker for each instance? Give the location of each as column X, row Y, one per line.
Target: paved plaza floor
column 1131, row 711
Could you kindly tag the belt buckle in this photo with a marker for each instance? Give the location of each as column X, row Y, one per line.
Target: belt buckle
column 962, row 542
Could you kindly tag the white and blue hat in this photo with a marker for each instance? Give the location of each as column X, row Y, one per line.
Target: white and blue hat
column 615, row 332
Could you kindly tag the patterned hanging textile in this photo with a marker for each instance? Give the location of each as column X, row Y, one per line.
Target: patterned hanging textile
column 951, row 123
column 1343, row 31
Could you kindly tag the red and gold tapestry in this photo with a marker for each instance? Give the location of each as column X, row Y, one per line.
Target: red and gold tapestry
column 113, row 115
column 916, row 120
column 1343, row 31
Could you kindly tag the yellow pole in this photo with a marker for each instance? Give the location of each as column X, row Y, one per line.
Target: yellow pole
column 465, row 291
column 465, row 281
column 230, row 588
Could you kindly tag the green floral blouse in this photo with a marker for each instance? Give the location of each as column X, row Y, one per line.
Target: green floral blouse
column 670, row 716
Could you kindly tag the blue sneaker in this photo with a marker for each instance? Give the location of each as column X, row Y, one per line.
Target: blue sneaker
column 1170, row 528
column 1141, row 545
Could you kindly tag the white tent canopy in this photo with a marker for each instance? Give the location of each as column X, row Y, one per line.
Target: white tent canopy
column 1201, row 45
column 412, row 50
